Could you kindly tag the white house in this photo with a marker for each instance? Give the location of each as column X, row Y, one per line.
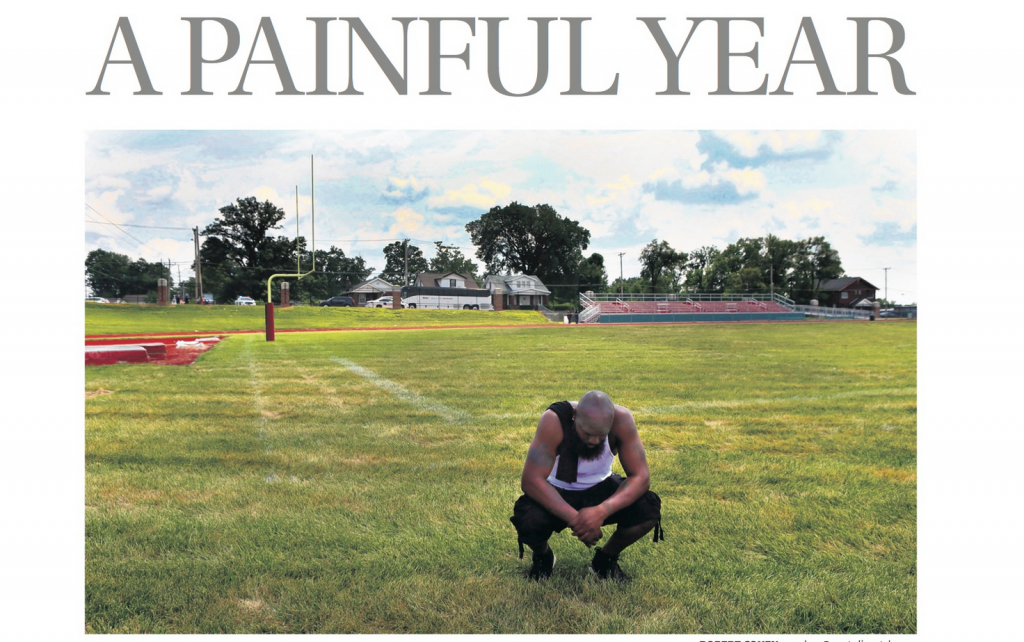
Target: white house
column 519, row 291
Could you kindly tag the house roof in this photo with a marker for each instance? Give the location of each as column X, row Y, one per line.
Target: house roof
column 838, row 285
column 430, row 279
column 507, row 282
column 376, row 284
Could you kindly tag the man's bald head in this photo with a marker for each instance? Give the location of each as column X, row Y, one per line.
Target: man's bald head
column 595, row 413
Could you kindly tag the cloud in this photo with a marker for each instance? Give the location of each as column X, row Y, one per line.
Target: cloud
column 484, row 195
column 159, row 192
column 717, row 192
column 407, row 222
column 612, row 191
column 755, row 149
column 402, row 190
column 893, row 234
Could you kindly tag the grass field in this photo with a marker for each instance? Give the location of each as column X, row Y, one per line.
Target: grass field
column 103, row 318
column 362, row 482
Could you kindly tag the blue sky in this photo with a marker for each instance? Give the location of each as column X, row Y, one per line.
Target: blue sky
column 690, row 188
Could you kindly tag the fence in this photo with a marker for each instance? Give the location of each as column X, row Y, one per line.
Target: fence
column 608, row 307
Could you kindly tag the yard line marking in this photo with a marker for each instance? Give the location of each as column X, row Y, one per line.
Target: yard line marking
column 257, row 398
column 756, row 401
column 403, row 393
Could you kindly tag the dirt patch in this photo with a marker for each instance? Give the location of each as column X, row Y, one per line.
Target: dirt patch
column 253, row 606
column 904, row 476
column 270, row 415
column 89, row 394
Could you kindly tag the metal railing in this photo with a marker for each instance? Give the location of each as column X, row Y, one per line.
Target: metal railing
column 550, row 314
column 832, row 313
column 591, row 314
column 693, row 297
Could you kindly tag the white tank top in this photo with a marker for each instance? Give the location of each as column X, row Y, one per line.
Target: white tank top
column 588, row 473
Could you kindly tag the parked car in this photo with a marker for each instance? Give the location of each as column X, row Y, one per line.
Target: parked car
column 97, row 299
column 244, row 300
column 207, row 299
column 338, row 301
column 383, row 302
column 887, row 314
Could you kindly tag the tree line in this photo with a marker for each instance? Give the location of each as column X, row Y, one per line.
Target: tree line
column 240, row 252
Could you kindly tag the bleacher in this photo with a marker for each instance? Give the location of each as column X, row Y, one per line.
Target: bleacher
column 688, row 307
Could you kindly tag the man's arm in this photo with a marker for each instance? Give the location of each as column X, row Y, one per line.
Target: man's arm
column 539, row 461
column 634, row 462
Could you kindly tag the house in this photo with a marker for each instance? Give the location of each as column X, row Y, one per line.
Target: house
column 847, row 292
column 369, row 290
column 519, row 291
column 448, row 280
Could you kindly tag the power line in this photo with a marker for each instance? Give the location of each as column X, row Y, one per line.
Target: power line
column 112, row 223
column 137, row 245
column 151, row 227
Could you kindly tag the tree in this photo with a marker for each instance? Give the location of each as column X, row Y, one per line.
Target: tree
column 815, row 261
column 450, row 259
column 630, row 285
column 661, row 266
column 530, row 240
column 113, row 275
column 761, row 265
column 106, row 273
column 697, row 267
column 395, row 255
column 592, row 274
column 335, row 273
column 239, row 255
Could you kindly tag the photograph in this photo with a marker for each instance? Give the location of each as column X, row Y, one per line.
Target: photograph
column 501, row 382
column 544, row 318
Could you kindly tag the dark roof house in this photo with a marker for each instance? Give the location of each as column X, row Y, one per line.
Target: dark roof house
column 846, row 292
column 446, row 280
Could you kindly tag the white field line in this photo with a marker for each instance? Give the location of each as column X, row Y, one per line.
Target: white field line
column 409, row 396
column 257, row 402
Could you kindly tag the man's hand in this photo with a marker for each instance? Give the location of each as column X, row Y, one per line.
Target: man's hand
column 586, row 526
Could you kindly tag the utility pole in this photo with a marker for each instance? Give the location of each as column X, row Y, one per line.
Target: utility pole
column 772, row 279
column 622, row 286
column 887, row 284
column 199, row 272
column 405, row 271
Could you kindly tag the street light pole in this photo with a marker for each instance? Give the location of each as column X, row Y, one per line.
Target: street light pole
column 887, row 284
column 622, row 287
column 199, row 272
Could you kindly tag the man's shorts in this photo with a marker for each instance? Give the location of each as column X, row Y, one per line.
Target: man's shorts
column 535, row 524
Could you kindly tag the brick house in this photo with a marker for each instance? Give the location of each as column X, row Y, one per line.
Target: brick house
column 847, row 292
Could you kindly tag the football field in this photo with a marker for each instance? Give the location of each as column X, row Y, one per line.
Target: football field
column 338, row 482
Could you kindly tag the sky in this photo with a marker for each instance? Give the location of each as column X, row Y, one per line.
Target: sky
column 858, row 189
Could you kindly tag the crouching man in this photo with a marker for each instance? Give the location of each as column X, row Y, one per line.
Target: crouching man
column 568, row 482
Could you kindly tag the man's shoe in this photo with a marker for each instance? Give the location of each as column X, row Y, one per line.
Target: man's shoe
column 542, row 565
column 606, row 567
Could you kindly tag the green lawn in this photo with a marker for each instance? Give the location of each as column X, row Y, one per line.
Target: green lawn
column 103, row 318
column 362, row 482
